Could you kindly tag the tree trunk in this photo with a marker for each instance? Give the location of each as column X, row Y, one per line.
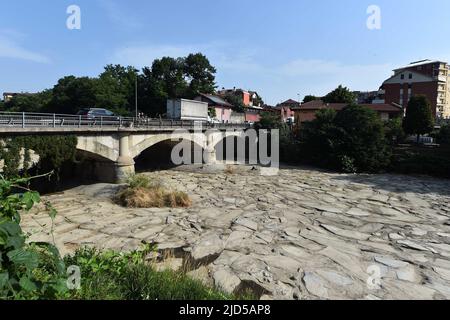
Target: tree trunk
column 418, row 138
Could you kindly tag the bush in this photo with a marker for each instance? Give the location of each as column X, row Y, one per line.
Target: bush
column 316, row 137
column 362, row 138
column 419, row 160
column 141, row 192
column 443, row 136
column 394, row 131
column 351, row 140
column 109, row 275
column 27, row 271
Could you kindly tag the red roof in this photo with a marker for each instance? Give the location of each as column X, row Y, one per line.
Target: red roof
column 319, row 104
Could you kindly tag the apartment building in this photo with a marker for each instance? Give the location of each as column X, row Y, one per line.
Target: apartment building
column 425, row 77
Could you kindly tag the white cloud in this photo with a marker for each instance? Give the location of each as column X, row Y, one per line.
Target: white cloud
column 10, row 48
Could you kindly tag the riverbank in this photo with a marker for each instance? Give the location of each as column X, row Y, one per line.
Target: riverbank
column 302, row 234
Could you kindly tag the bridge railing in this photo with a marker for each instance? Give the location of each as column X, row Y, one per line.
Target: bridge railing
column 47, row 120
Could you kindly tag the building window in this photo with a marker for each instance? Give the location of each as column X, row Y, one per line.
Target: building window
column 410, row 75
column 402, row 76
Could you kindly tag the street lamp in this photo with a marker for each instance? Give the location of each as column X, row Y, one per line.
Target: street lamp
column 136, row 95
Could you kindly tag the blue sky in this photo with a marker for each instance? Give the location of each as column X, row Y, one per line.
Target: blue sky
column 278, row 48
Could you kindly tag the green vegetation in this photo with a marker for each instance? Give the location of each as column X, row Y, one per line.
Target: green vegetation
column 126, row 276
column 394, row 131
column 351, row 140
column 309, row 98
column 340, row 95
column 36, row 270
column 443, row 136
column 27, row 270
column 141, row 192
column 236, row 101
column 422, row 160
column 419, row 118
column 53, row 151
column 355, row 139
column 114, row 88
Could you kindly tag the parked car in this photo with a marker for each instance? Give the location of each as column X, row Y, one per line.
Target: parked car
column 95, row 113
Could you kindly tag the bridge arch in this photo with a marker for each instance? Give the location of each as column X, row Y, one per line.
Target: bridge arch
column 152, row 140
column 96, row 146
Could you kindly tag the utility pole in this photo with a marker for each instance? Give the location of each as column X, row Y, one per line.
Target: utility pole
column 136, row 95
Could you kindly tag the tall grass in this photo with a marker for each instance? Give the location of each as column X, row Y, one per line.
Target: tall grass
column 142, row 192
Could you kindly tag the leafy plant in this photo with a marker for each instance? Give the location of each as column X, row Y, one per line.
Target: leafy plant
column 129, row 276
column 27, row 271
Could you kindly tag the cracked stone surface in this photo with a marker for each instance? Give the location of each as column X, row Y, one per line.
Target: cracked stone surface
column 302, row 234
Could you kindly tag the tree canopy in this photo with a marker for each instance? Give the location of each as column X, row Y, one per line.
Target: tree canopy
column 115, row 88
column 351, row 140
column 340, row 95
column 419, row 118
column 309, row 98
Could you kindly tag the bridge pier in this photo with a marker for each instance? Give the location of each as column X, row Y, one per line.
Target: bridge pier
column 124, row 165
column 210, row 156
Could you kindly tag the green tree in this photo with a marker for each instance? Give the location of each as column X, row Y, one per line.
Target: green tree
column 394, row 131
column 318, row 136
column 419, row 118
column 340, row 95
column 309, row 98
column 200, row 74
column 351, row 140
column 29, row 102
column 164, row 80
column 363, row 141
column 72, row 94
column 236, row 102
column 115, row 89
column 269, row 120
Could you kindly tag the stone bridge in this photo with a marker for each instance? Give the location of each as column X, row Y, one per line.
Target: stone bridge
column 115, row 153
column 112, row 144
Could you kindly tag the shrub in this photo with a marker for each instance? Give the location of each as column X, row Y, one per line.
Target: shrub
column 419, row 160
column 362, row 138
column 351, row 140
column 27, row 271
column 443, row 136
column 141, row 192
column 127, row 276
column 317, row 138
column 394, row 131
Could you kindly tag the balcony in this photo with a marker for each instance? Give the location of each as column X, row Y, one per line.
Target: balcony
column 441, row 78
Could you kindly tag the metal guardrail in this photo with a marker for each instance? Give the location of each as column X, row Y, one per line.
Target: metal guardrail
column 45, row 120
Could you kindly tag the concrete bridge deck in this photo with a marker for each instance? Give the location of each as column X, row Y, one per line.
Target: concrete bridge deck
column 115, row 141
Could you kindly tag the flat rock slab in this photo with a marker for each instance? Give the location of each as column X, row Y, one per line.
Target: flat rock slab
column 301, row 234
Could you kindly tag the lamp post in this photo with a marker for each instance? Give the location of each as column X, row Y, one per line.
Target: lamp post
column 136, row 95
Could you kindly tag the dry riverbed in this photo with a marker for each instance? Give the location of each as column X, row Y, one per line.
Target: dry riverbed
column 302, row 234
